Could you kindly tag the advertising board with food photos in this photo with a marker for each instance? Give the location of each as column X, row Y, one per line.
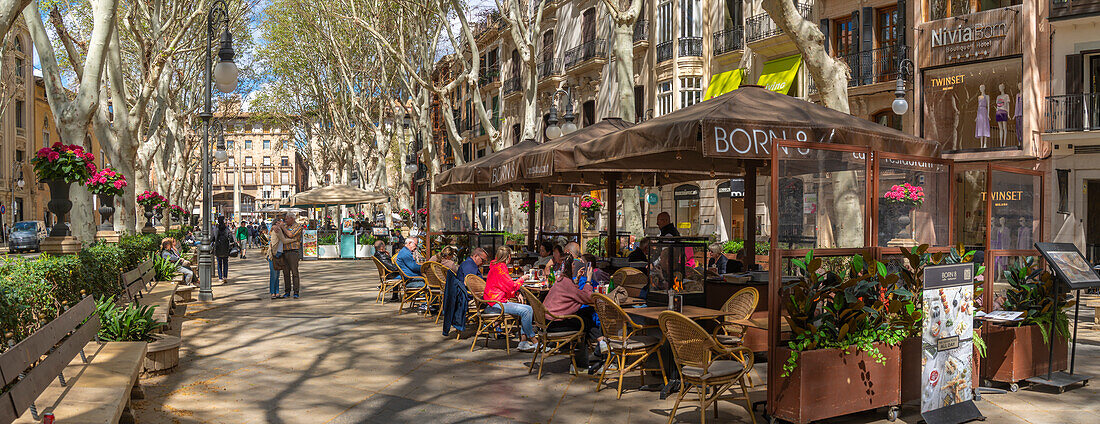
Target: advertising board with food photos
column 948, row 341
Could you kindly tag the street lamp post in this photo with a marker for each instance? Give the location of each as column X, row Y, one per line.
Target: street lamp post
column 17, row 180
column 225, row 73
column 553, row 131
column 905, row 70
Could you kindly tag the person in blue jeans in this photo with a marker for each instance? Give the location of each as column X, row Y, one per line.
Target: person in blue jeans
column 274, row 253
column 223, row 243
column 406, row 260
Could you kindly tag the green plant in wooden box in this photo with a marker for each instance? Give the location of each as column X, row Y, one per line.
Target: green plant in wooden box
column 912, row 278
column 327, row 239
column 130, row 323
column 854, row 309
column 1032, row 290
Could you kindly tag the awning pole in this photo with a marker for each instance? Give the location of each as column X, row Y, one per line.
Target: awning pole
column 531, row 218
column 748, row 249
column 612, row 211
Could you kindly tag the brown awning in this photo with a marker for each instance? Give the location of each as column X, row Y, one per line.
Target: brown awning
column 719, row 134
column 480, row 174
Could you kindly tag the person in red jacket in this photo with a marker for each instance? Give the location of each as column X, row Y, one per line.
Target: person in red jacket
column 499, row 287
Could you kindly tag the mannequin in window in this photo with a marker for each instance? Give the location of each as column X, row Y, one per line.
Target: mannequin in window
column 1000, row 234
column 1004, row 102
column 1023, row 237
column 1019, row 115
column 981, row 122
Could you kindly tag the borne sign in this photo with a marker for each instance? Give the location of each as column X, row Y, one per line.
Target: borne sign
column 947, row 339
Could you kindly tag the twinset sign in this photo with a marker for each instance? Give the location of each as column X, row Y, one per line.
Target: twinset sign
column 966, row 38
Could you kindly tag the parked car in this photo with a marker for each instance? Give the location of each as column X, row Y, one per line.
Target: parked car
column 26, row 235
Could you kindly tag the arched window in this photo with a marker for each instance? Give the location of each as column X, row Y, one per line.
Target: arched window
column 18, row 45
column 888, row 118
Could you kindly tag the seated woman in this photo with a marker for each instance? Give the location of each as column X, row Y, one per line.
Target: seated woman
column 446, row 257
column 170, row 250
column 716, row 260
column 500, row 287
column 572, row 296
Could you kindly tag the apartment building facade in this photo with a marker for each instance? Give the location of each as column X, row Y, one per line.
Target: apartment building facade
column 17, row 139
column 263, row 169
column 1072, row 120
column 969, row 60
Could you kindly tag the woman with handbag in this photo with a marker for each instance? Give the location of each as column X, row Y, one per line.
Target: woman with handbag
column 223, row 246
column 273, row 250
column 292, row 254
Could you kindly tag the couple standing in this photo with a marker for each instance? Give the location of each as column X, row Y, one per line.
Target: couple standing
column 284, row 252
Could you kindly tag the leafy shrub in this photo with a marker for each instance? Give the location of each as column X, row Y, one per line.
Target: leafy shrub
column 165, row 268
column 367, row 240
column 137, row 247
column 1032, row 290
column 129, row 323
column 595, row 246
column 733, row 246
column 327, row 239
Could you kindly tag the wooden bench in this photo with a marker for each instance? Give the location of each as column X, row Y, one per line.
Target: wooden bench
column 62, row 369
column 141, row 287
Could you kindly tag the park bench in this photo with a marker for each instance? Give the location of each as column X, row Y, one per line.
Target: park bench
column 63, row 369
column 140, row 286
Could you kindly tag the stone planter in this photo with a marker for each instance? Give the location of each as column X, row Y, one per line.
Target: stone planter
column 60, row 205
column 106, row 210
column 1019, row 353
column 163, row 354
column 148, row 228
column 829, row 383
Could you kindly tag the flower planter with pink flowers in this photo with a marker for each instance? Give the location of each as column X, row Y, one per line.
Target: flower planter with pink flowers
column 59, row 166
column 107, row 183
column 152, row 202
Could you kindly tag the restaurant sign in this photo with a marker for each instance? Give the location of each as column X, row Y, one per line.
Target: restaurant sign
column 977, row 36
column 505, row 173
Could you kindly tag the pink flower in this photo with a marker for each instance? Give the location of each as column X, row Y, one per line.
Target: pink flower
column 52, row 156
column 119, row 185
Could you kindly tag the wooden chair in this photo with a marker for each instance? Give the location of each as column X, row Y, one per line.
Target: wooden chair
column 741, row 305
column 558, row 342
column 387, row 284
column 626, row 340
column 630, row 279
column 704, row 363
column 435, row 276
column 409, row 295
column 489, row 323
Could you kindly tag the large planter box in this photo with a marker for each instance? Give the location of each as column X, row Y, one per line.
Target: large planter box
column 829, row 383
column 163, row 354
column 1018, row 353
column 363, row 252
column 328, row 251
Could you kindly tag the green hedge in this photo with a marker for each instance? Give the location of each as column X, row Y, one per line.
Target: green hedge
column 32, row 292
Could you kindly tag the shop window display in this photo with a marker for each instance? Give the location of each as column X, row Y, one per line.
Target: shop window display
column 976, row 106
column 822, row 199
column 970, row 221
column 913, row 203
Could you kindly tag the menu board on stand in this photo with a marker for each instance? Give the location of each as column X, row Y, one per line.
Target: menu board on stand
column 1071, row 269
column 947, row 334
column 309, row 244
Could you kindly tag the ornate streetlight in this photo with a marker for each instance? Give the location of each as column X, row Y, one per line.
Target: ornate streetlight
column 224, row 74
column 553, row 131
column 410, row 158
column 905, row 70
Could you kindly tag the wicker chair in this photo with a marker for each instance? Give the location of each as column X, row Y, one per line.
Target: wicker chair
column 387, row 284
column 435, row 276
column 626, row 340
column 489, row 323
column 741, row 305
column 630, row 279
column 410, row 295
column 558, row 342
column 704, row 363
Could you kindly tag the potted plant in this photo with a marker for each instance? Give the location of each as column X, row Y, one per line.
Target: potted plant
column 150, row 200
column 732, row 247
column 405, row 214
column 106, row 183
column 527, row 208
column 327, row 248
column 59, row 166
column 898, row 203
column 1021, row 350
column 365, row 246
column 591, row 207
column 848, row 326
column 178, row 212
column 134, row 323
column 422, row 214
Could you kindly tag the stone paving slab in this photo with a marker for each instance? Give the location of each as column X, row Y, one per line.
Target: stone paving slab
column 338, row 356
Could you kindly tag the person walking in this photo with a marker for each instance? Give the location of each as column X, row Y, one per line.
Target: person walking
column 254, row 234
column 274, row 253
column 242, row 237
column 292, row 254
column 223, row 243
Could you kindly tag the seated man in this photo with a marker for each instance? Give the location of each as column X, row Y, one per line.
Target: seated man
column 641, row 253
column 406, row 260
column 383, row 256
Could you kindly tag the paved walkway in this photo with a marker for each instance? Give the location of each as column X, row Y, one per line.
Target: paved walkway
column 336, row 356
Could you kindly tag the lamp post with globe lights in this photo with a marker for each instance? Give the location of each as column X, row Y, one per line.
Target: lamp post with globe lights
column 553, row 131
column 905, row 70
column 410, row 158
column 17, row 180
column 224, row 76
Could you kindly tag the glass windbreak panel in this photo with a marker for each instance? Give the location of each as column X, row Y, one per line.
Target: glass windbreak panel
column 1000, row 283
column 559, row 214
column 450, row 213
column 1016, row 205
column 970, row 220
column 913, row 203
column 763, row 227
column 822, row 199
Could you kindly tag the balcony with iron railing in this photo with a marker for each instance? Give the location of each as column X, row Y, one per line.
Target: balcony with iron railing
column 729, row 40
column 761, row 26
column 1073, row 112
column 1069, row 8
column 664, row 51
column 549, row 68
column 691, row 46
column 641, row 31
column 590, row 51
column 489, row 75
column 511, row 85
column 875, row 66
